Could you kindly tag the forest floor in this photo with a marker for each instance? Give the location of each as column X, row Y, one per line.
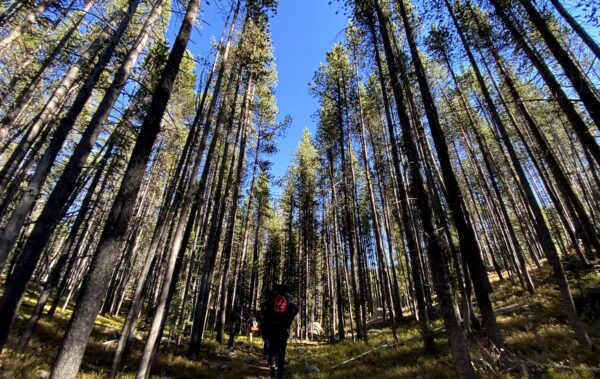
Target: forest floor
column 535, row 328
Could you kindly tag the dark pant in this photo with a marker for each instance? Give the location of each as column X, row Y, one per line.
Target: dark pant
column 276, row 344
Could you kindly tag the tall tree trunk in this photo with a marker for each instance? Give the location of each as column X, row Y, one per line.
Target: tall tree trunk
column 581, row 32
column 485, row 154
column 49, row 217
column 540, row 224
column 66, row 255
column 581, row 85
column 29, row 257
column 95, row 285
column 43, row 120
column 175, row 259
column 230, row 233
column 201, row 300
column 377, row 226
column 203, row 117
column 549, row 247
column 467, row 239
column 85, row 145
column 439, row 268
column 349, row 221
column 407, row 221
column 585, row 136
column 25, row 96
column 336, row 254
column 562, row 182
column 25, row 25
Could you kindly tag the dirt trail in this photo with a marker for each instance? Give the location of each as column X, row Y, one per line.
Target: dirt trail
column 257, row 365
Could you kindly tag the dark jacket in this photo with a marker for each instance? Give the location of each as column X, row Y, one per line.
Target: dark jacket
column 276, row 323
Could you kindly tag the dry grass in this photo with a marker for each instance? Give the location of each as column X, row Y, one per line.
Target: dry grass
column 536, row 332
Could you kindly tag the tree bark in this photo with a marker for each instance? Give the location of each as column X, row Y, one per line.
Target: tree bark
column 581, row 85
column 25, row 25
column 25, row 96
column 94, row 288
column 29, row 257
column 439, row 269
column 585, row 136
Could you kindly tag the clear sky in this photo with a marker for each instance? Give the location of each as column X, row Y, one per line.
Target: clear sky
column 302, row 31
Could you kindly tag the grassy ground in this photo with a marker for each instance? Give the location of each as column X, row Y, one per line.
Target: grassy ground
column 534, row 326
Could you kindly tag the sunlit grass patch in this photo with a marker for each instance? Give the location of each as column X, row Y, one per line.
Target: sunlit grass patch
column 19, row 366
column 535, row 328
column 580, row 371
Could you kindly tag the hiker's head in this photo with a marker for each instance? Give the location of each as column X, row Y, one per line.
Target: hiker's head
column 283, row 289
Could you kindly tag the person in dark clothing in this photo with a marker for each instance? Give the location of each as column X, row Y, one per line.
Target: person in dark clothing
column 278, row 312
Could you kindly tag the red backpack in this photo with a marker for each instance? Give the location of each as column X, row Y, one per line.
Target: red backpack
column 280, row 303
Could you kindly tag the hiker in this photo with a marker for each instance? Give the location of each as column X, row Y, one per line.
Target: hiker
column 278, row 312
column 252, row 328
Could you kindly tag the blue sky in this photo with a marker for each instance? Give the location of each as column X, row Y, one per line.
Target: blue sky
column 302, row 31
